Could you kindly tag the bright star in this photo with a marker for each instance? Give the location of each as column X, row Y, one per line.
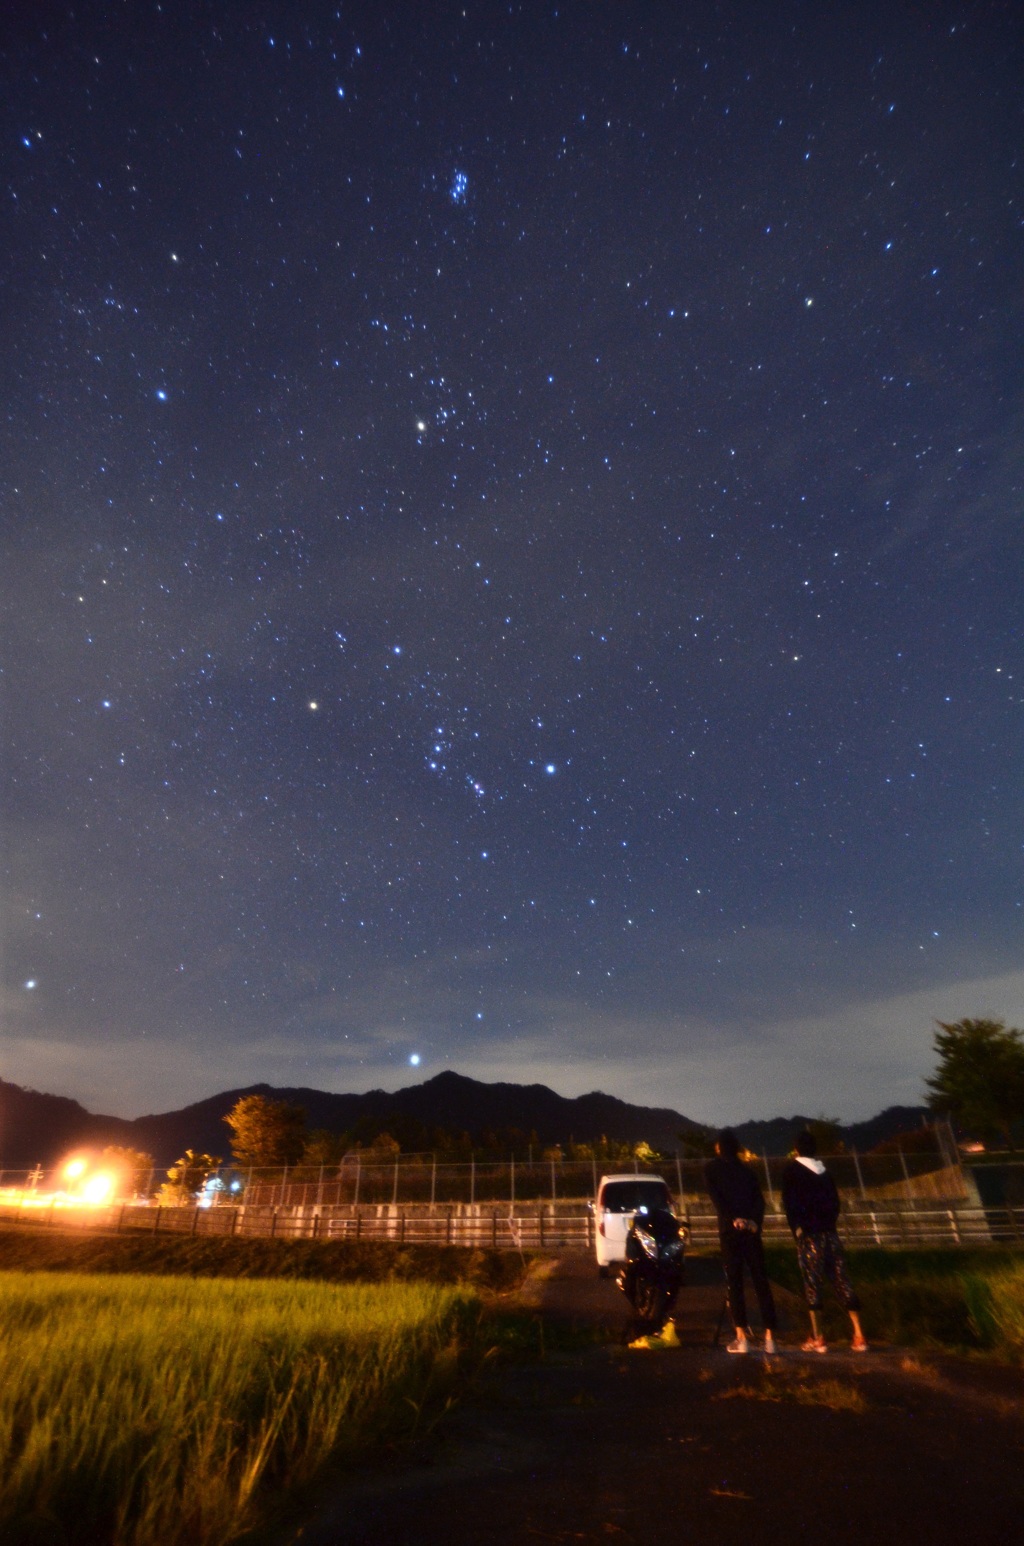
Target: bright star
column 30, row 984
column 414, row 1059
column 161, row 395
column 313, row 704
column 550, row 768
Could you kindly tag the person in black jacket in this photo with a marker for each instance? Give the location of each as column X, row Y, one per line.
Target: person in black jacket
column 811, row 1201
column 739, row 1204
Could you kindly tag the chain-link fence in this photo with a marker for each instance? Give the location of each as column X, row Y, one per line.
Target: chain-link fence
column 364, row 1177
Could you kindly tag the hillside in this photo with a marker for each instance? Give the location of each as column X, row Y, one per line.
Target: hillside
column 36, row 1128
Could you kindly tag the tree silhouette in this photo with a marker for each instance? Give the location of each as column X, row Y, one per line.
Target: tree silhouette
column 979, row 1080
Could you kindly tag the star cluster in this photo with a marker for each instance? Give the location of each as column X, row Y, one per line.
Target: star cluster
column 511, row 546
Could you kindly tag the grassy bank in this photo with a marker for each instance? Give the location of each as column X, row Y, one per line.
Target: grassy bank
column 969, row 1300
column 145, row 1410
column 336, row 1261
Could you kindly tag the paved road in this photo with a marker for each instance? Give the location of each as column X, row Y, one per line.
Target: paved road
column 699, row 1447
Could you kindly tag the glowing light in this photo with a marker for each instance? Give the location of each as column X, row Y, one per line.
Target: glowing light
column 161, row 395
column 459, row 188
column 99, row 1188
column 550, row 768
column 75, row 1168
column 414, row 1059
column 313, row 705
column 30, row 984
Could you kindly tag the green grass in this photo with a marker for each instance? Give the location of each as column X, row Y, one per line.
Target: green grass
column 339, row 1261
column 145, row 1410
column 962, row 1300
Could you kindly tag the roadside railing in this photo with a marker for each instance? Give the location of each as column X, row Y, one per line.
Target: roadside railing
column 550, row 1226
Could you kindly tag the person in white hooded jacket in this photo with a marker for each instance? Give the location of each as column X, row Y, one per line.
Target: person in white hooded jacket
column 811, row 1201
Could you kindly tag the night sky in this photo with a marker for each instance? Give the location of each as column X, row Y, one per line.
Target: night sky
column 511, row 546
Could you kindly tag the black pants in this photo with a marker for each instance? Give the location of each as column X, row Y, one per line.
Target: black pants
column 743, row 1248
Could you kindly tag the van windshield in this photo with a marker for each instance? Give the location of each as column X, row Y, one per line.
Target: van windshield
column 628, row 1196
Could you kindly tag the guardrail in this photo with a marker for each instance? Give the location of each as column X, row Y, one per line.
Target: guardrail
column 534, row 1227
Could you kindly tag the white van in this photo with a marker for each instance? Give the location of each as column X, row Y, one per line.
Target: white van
column 618, row 1199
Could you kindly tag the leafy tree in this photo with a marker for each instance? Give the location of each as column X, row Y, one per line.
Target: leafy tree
column 265, row 1132
column 828, row 1135
column 187, row 1177
column 324, row 1148
column 979, row 1080
column 385, row 1146
column 917, row 1140
column 132, row 1166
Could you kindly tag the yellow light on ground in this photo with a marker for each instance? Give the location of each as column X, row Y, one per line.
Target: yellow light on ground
column 98, row 1188
column 75, row 1168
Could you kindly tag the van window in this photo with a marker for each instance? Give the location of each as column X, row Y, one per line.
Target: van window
column 628, row 1196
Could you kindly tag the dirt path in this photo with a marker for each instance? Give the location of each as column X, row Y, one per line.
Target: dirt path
column 699, row 1447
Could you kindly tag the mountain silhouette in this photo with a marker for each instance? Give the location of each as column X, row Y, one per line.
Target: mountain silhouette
column 37, row 1128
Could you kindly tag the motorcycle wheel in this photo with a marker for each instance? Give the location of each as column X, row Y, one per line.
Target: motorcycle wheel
column 649, row 1300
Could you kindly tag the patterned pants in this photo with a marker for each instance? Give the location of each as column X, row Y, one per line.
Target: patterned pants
column 820, row 1257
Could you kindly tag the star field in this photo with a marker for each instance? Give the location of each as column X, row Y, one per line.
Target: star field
column 510, row 548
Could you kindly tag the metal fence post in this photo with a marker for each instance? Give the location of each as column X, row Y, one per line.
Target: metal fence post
column 768, row 1179
column 553, row 1194
column 860, row 1178
column 394, row 1194
column 359, row 1171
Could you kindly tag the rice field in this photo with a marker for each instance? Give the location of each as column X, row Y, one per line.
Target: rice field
column 145, row 1410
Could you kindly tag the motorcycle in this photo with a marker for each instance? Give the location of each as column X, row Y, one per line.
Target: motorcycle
column 654, row 1271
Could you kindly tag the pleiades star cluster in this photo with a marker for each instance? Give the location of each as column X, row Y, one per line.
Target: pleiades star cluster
column 511, row 545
